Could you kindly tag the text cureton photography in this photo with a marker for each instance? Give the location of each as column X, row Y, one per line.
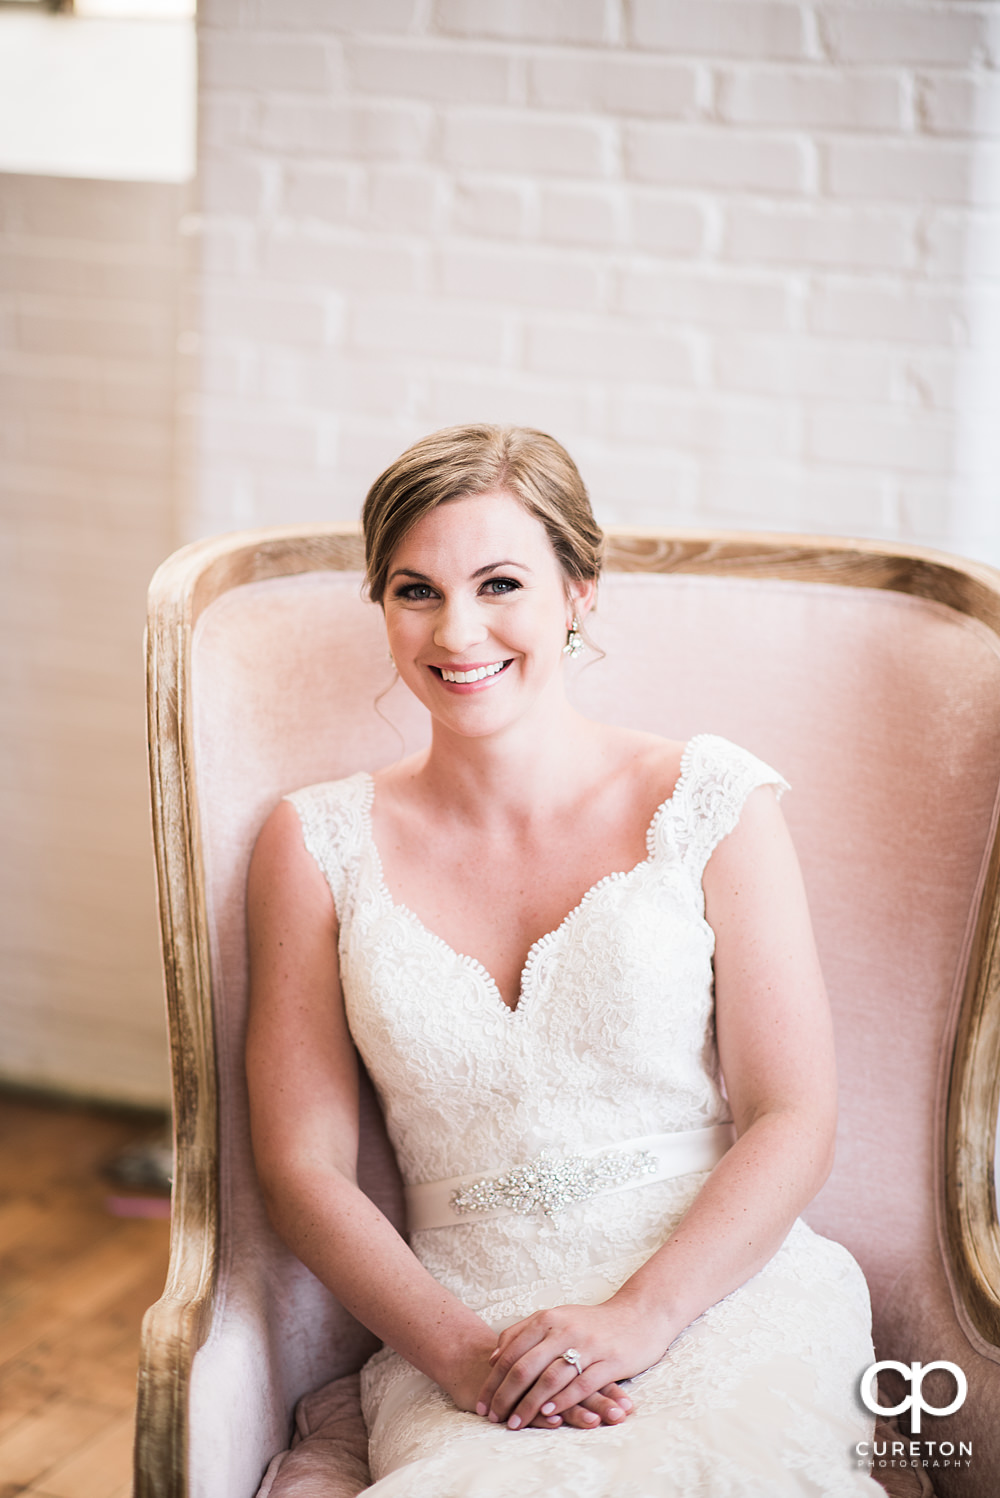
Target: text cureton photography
column 884, row 1452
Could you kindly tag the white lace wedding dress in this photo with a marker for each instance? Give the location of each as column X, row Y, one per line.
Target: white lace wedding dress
column 612, row 1039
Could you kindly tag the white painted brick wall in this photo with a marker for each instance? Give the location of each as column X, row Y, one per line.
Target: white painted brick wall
column 939, row 35
column 811, row 98
column 742, row 256
column 443, row 74
column 715, row 28
column 558, row 21
column 89, row 282
column 963, row 105
column 617, row 84
column 709, row 158
column 825, row 236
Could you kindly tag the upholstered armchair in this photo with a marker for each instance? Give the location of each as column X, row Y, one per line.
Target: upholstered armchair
column 869, row 675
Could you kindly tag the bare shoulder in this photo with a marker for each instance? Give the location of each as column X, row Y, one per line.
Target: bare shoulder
column 279, row 840
column 758, row 854
column 283, row 873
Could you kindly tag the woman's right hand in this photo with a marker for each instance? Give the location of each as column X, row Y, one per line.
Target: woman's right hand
column 608, row 1406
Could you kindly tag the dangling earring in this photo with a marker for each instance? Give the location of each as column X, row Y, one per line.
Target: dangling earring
column 574, row 640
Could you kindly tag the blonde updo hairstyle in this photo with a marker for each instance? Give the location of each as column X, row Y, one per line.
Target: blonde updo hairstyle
column 465, row 460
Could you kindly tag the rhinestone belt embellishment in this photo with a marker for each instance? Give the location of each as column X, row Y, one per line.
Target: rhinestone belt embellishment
column 550, row 1184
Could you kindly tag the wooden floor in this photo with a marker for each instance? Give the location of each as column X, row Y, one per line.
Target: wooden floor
column 74, row 1282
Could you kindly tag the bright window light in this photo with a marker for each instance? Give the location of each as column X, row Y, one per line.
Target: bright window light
column 90, row 95
column 142, row 10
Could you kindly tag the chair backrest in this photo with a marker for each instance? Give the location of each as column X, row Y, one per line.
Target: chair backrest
column 869, row 677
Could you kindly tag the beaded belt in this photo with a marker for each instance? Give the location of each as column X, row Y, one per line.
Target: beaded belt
column 549, row 1183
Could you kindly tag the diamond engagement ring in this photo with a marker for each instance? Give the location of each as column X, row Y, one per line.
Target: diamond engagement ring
column 572, row 1356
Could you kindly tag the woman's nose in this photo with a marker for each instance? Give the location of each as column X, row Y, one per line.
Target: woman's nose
column 459, row 625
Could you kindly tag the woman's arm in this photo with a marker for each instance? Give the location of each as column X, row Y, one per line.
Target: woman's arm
column 776, row 1051
column 303, row 1081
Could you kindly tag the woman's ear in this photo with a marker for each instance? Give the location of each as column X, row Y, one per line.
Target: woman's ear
column 582, row 595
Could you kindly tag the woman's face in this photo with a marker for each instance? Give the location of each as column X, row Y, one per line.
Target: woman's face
column 477, row 608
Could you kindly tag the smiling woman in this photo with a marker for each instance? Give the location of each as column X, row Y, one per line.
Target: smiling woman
column 610, row 1116
column 480, row 609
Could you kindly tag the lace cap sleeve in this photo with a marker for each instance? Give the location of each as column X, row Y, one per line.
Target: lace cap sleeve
column 333, row 827
column 716, row 778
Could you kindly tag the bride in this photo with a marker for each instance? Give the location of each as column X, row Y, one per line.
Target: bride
column 578, row 964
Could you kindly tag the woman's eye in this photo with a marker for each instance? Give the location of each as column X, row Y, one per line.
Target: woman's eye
column 501, row 585
column 415, row 592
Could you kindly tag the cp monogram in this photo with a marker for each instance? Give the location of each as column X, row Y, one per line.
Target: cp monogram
column 915, row 1373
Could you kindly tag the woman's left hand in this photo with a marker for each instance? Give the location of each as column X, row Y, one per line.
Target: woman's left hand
column 530, row 1378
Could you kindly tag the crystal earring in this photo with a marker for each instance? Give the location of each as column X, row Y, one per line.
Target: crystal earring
column 574, row 640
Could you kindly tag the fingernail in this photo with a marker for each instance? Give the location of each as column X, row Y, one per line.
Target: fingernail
column 625, row 1403
column 494, row 1354
column 480, row 1408
column 548, row 1408
column 589, row 1417
column 553, row 1420
column 616, row 1414
column 495, row 1419
column 513, row 1422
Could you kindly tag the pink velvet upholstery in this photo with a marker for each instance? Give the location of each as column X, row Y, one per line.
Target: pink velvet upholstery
column 329, row 1453
column 884, row 713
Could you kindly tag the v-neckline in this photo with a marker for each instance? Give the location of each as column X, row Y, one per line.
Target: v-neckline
column 546, row 940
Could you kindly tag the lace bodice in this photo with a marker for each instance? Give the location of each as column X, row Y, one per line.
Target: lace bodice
column 612, row 1038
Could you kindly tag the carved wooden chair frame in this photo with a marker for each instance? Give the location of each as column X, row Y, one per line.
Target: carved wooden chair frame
column 183, row 588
